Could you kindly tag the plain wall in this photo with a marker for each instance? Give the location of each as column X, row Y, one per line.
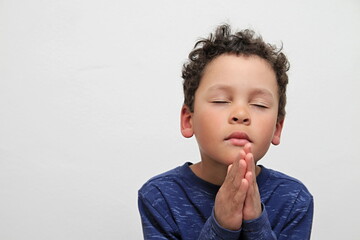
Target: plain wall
column 90, row 97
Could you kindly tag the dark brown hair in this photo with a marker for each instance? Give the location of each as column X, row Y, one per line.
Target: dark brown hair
column 246, row 43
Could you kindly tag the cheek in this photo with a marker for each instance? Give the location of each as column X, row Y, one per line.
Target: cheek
column 207, row 123
column 264, row 135
column 267, row 126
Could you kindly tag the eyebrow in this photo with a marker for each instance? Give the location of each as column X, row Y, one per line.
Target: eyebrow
column 220, row 87
column 226, row 88
column 262, row 91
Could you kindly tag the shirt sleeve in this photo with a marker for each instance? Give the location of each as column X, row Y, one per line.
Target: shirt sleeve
column 298, row 227
column 158, row 224
column 299, row 221
column 259, row 228
column 213, row 231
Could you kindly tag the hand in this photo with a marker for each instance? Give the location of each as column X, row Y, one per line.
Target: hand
column 252, row 207
column 229, row 201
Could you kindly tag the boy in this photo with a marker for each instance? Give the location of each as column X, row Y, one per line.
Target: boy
column 235, row 96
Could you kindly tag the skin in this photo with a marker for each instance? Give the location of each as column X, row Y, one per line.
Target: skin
column 237, row 94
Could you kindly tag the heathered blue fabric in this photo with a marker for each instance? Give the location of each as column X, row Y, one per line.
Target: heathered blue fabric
column 179, row 205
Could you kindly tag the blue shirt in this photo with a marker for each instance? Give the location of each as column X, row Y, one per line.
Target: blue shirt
column 179, row 205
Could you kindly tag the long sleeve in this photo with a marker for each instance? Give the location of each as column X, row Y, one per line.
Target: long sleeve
column 289, row 208
column 213, row 231
column 158, row 223
column 259, row 228
column 298, row 225
column 299, row 221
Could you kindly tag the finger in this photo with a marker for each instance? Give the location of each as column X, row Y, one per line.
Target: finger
column 252, row 205
column 232, row 169
column 240, row 196
column 249, row 159
column 239, row 174
column 250, row 178
column 252, row 186
column 242, row 154
column 244, row 186
column 236, row 172
column 247, row 148
column 229, row 168
column 252, row 195
column 242, row 168
column 231, row 173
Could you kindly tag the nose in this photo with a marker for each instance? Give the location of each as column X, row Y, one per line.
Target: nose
column 240, row 115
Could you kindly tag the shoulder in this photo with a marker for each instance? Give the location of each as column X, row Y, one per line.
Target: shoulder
column 275, row 182
column 288, row 203
column 163, row 183
column 176, row 185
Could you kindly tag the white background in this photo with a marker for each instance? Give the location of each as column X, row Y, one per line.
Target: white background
column 90, row 96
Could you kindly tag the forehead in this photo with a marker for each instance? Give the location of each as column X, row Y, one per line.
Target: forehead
column 230, row 71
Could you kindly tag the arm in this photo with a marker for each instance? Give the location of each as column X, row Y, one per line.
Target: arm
column 297, row 227
column 213, row 231
column 158, row 224
column 299, row 221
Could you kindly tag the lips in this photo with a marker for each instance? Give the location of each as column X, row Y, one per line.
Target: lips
column 238, row 139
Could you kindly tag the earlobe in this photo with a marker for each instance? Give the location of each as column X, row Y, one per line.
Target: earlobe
column 186, row 122
column 277, row 133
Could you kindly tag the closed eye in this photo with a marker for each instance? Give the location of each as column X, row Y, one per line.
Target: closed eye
column 220, row 101
column 260, row 105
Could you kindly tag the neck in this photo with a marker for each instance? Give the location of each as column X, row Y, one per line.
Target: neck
column 209, row 173
column 213, row 173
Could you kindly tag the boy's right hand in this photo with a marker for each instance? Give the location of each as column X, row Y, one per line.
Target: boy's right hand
column 229, row 201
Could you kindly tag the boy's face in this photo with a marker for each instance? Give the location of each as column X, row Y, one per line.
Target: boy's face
column 236, row 102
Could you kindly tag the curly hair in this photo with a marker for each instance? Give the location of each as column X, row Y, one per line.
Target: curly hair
column 245, row 43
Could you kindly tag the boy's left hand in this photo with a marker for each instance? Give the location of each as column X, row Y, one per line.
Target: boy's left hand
column 252, row 206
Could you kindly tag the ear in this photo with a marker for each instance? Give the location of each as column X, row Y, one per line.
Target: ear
column 277, row 133
column 186, row 122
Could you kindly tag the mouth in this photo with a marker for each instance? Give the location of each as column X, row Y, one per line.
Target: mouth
column 238, row 139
